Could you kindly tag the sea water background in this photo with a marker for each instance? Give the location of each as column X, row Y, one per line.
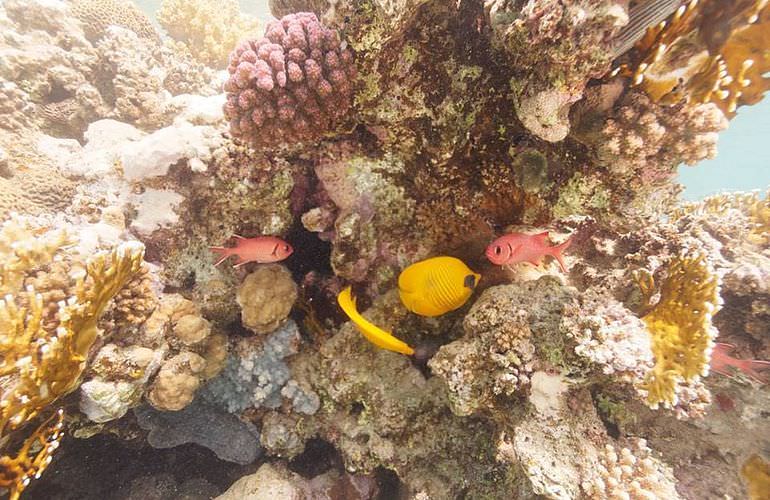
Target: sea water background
column 743, row 163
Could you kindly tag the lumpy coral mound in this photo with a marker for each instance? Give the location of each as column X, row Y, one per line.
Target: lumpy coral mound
column 293, row 85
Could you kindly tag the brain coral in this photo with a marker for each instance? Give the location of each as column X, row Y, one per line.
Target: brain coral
column 97, row 15
column 290, row 86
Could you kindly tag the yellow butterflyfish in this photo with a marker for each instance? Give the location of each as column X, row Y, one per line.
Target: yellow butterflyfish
column 373, row 333
column 435, row 286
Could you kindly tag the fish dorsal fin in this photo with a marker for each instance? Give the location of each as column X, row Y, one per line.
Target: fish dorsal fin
column 541, row 237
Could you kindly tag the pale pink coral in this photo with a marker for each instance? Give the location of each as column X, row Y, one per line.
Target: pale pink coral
column 293, row 85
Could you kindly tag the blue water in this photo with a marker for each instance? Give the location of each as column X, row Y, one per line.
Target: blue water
column 743, row 162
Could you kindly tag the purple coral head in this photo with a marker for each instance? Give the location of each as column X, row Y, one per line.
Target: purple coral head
column 291, row 86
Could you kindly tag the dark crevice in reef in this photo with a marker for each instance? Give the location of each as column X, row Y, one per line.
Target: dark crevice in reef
column 105, row 467
column 318, row 457
column 310, row 253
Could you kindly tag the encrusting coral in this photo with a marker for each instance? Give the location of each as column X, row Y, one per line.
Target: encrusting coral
column 293, row 85
column 680, row 326
column 555, row 48
column 209, row 29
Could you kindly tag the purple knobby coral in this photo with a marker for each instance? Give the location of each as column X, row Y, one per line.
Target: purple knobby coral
column 292, row 85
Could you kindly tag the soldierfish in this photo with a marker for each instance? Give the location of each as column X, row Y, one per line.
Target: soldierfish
column 721, row 362
column 519, row 247
column 261, row 249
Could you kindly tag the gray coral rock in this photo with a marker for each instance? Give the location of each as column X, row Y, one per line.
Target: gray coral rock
column 227, row 436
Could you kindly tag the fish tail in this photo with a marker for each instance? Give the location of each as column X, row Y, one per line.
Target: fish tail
column 373, row 333
column 223, row 251
column 752, row 367
column 557, row 253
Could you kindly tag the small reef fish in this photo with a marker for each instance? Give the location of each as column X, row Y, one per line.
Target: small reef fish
column 261, row 249
column 373, row 334
column 435, row 286
column 721, row 362
column 519, row 247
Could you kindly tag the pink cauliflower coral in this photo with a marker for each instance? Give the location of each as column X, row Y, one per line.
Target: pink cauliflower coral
column 292, row 85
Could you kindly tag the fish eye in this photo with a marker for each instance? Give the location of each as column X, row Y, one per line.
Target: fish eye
column 498, row 250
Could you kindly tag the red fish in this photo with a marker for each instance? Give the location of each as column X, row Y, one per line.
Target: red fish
column 261, row 249
column 519, row 247
column 721, row 362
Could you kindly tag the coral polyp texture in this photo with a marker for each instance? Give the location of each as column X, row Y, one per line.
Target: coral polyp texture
column 293, row 85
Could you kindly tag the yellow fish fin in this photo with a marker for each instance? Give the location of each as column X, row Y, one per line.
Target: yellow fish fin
column 373, row 334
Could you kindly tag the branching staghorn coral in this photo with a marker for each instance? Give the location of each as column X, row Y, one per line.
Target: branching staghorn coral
column 33, row 456
column 707, row 51
column 210, row 29
column 41, row 361
column 680, row 326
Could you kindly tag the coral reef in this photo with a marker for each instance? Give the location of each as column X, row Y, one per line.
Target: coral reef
column 227, row 436
column 266, row 297
column 556, row 47
column 208, row 29
column 680, row 326
column 98, row 15
column 632, row 473
column 455, row 123
column 254, row 377
column 293, row 85
column 689, row 58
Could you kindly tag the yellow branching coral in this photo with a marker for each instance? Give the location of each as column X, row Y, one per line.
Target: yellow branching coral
column 680, row 326
column 707, row 51
column 209, row 28
column 42, row 367
column 33, row 456
column 44, row 346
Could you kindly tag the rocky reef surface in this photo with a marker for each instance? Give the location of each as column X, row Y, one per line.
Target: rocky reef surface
column 370, row 135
